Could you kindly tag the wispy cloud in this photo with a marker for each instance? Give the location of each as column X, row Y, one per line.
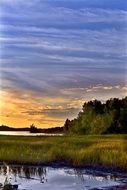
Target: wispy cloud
column 18, row 2
column 57, row 54
column 46, row 110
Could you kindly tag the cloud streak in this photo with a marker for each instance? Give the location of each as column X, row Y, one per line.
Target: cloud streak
column 56, row 53
column 35, row 107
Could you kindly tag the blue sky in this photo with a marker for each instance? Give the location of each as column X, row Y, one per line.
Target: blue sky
column 56, row 54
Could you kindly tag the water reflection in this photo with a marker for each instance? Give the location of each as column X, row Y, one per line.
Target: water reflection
column 82, row 175
column 39, row 178
column 24, row 172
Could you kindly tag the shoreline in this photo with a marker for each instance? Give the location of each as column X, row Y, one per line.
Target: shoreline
column 105, row 153
column 97, row 169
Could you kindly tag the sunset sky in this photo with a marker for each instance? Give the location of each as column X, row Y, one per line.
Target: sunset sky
column 57, row 54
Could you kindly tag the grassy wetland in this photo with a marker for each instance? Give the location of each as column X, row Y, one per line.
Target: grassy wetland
column 104, row 150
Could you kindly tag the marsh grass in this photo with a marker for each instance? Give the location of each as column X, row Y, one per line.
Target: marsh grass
column 108, row 150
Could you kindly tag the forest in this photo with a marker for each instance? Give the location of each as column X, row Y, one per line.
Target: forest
column 100, row 118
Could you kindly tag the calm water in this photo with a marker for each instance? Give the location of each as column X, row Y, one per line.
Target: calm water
column 26, row 133
column 47, row 178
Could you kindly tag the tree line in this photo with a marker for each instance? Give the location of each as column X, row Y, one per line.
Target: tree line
column 100, row 118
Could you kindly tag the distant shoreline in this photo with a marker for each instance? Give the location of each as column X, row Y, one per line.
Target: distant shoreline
column 37, row 130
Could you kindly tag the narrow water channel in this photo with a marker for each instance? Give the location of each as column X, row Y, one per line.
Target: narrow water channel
column 48, row 178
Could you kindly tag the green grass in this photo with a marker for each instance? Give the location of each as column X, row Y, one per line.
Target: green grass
column 108, row 150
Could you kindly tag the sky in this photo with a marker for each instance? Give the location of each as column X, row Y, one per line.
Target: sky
column 57, row 54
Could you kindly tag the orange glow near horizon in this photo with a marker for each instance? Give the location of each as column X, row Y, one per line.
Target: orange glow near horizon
column 13, row 112
column 56, row 55
column 21, row 109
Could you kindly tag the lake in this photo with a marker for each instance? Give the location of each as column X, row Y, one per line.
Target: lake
column 26, row 133
column 48, row 178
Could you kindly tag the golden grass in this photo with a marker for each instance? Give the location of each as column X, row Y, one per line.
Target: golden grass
column 108, row 150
